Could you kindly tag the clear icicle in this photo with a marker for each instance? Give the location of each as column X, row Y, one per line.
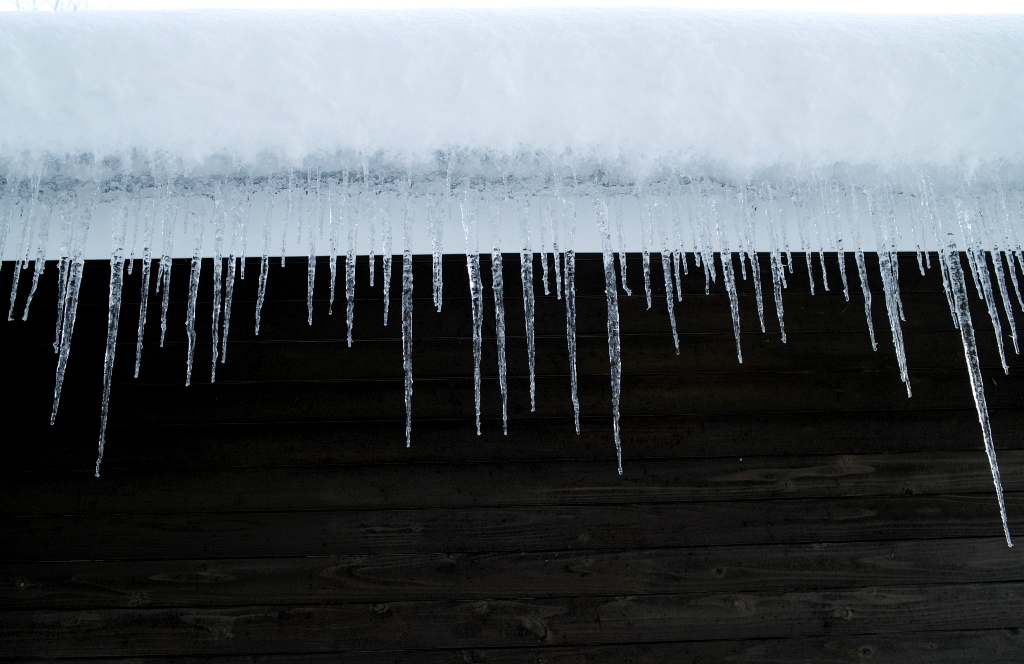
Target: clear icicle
column 884, row 224
column 950, row 258
column 333, row 221
column 268, row 212
column 476, row 294
column 147, row 267
column 39, row 264
column 350, row 269
column 556, row 252
column 749, row 243
column 614, row 345
column 25, row 245
column 385, row 256
column 570, row 306
column 1004, row 295
column 544, row 280
column 407, row 313
column 666, row 273
column 620, row 231
column 645, row 251
column 163, row 280
column 193, row 292
column 498, row 288
column 219, row 220
column 529, row 313
column 118, row 231
column 289, row 209
column 778, row 271
column 238, row 222
column 311, row 220
column 862, row 268
column 79, row 218
column 435, row 227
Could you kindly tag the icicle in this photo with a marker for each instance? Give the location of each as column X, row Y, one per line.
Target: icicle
column 166, row 248
column 543, row 249
column 570, row 302
column 333, row 221
column 678, row 256
column 498, row 287
column 614, row 346
column 805, row 245
column 778, row 271
column 25, row 245
column 219, row 220
column 385, row 253
column 829, row 193
column 80, row 216
column 118, row 230
column 311, row 219
column 755, row 266
column 476, row 294
column 350, row 269
column 884, row 232
column 65, row 208
column 238, row 220
column 982, row 281
column 526, row 277
column 666, row 273
column 435, row 227
column 407, row 313
column 147, row 266
column 289, row 209
column 862, row 268
column 556, row 251
column 268, row 211
column 368, row 200
column 645, row 251
column 39, row 264
column 620, row 232
column 244, row 222
column 193, row 291
column 1004, row 295
column 729, row 277
column 962, row 311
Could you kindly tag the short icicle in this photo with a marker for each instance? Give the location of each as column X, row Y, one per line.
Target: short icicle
column 147, row 267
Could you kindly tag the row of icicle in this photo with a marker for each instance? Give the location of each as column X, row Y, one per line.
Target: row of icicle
column 716, row 225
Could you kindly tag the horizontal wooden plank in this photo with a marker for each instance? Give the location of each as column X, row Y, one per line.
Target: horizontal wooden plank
column 992, row 646
column 249, row 444
column 493, row 529
column 408, row 577
column 508, row 623
column 502, row 483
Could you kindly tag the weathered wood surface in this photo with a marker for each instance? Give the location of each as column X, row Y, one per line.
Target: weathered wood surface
column 794, row 508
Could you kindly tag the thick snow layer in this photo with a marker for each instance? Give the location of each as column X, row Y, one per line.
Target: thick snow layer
column 743, row 90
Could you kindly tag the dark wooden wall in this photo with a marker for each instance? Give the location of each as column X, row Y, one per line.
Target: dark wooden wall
column 796, row 508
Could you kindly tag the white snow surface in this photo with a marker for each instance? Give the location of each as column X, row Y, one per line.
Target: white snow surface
column 743, row 91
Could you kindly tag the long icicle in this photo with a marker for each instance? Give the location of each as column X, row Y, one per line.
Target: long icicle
column 79, row 230
column 498, row 288
column 193, row 292
column 962, row 312
column 268, row 211
column 147, row 268
column 119, row 227
column 529, row 303
column 614, row 344
column 409, row 210
column 476, row 295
